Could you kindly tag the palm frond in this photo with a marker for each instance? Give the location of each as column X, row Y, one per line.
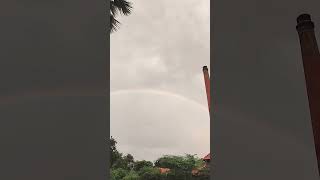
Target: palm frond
column 118, row 7
column 113, row 9
column 114, row 24
column 123, row 6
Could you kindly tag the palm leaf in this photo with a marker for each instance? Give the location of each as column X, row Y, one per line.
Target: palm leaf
column 118, row 6
column 123, row 6
column 114, row 24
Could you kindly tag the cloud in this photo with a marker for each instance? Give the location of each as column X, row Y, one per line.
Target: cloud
column 174, row 35
column 149, row 124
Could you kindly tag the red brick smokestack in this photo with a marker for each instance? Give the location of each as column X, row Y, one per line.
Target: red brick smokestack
column 311, row 64
column 207, row 84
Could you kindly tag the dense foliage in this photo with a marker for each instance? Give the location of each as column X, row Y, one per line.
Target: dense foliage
column 124, row 167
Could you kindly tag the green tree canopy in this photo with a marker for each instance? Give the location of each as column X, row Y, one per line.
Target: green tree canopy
column 126, row 168
column 114, row 154
column 132, row 175
column 185, row 163
column 118, row 173
column 150, row 173
column 140, row 164
column 117, row 159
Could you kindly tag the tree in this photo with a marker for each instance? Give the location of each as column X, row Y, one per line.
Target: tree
column 141, row 164
column 114, row 154
column 150, row 173
column 117, row 7
column 187, row 167
column 181, row 167
column 199, row 163
column 117, row 159
column 203, row 174
column 132, row 176
column 185, row 163
column 119, row 173
column 129, row 160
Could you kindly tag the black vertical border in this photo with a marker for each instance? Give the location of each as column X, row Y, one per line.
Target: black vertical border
column 108, row 88
column 212, row 92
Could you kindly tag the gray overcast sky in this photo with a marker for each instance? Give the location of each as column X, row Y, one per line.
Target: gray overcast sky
column 156, row 63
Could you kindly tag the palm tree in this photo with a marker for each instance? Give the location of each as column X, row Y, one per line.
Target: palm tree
column 122, row 7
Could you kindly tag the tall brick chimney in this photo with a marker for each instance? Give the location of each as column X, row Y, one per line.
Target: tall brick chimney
column 207, row 84
column 311, row 64
column 207, row 158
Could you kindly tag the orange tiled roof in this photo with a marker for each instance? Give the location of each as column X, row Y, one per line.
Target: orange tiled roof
column 207, row 157
column 164, row 170
column 195, row 171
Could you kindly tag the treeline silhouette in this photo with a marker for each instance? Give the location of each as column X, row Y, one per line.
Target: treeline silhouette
column 168, row 167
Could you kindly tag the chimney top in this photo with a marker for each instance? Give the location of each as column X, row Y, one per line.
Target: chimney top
column 304, row 23
column 205, row 68
column 303, row 17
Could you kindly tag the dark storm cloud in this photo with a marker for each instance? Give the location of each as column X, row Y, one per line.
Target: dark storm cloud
column 258, row 71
